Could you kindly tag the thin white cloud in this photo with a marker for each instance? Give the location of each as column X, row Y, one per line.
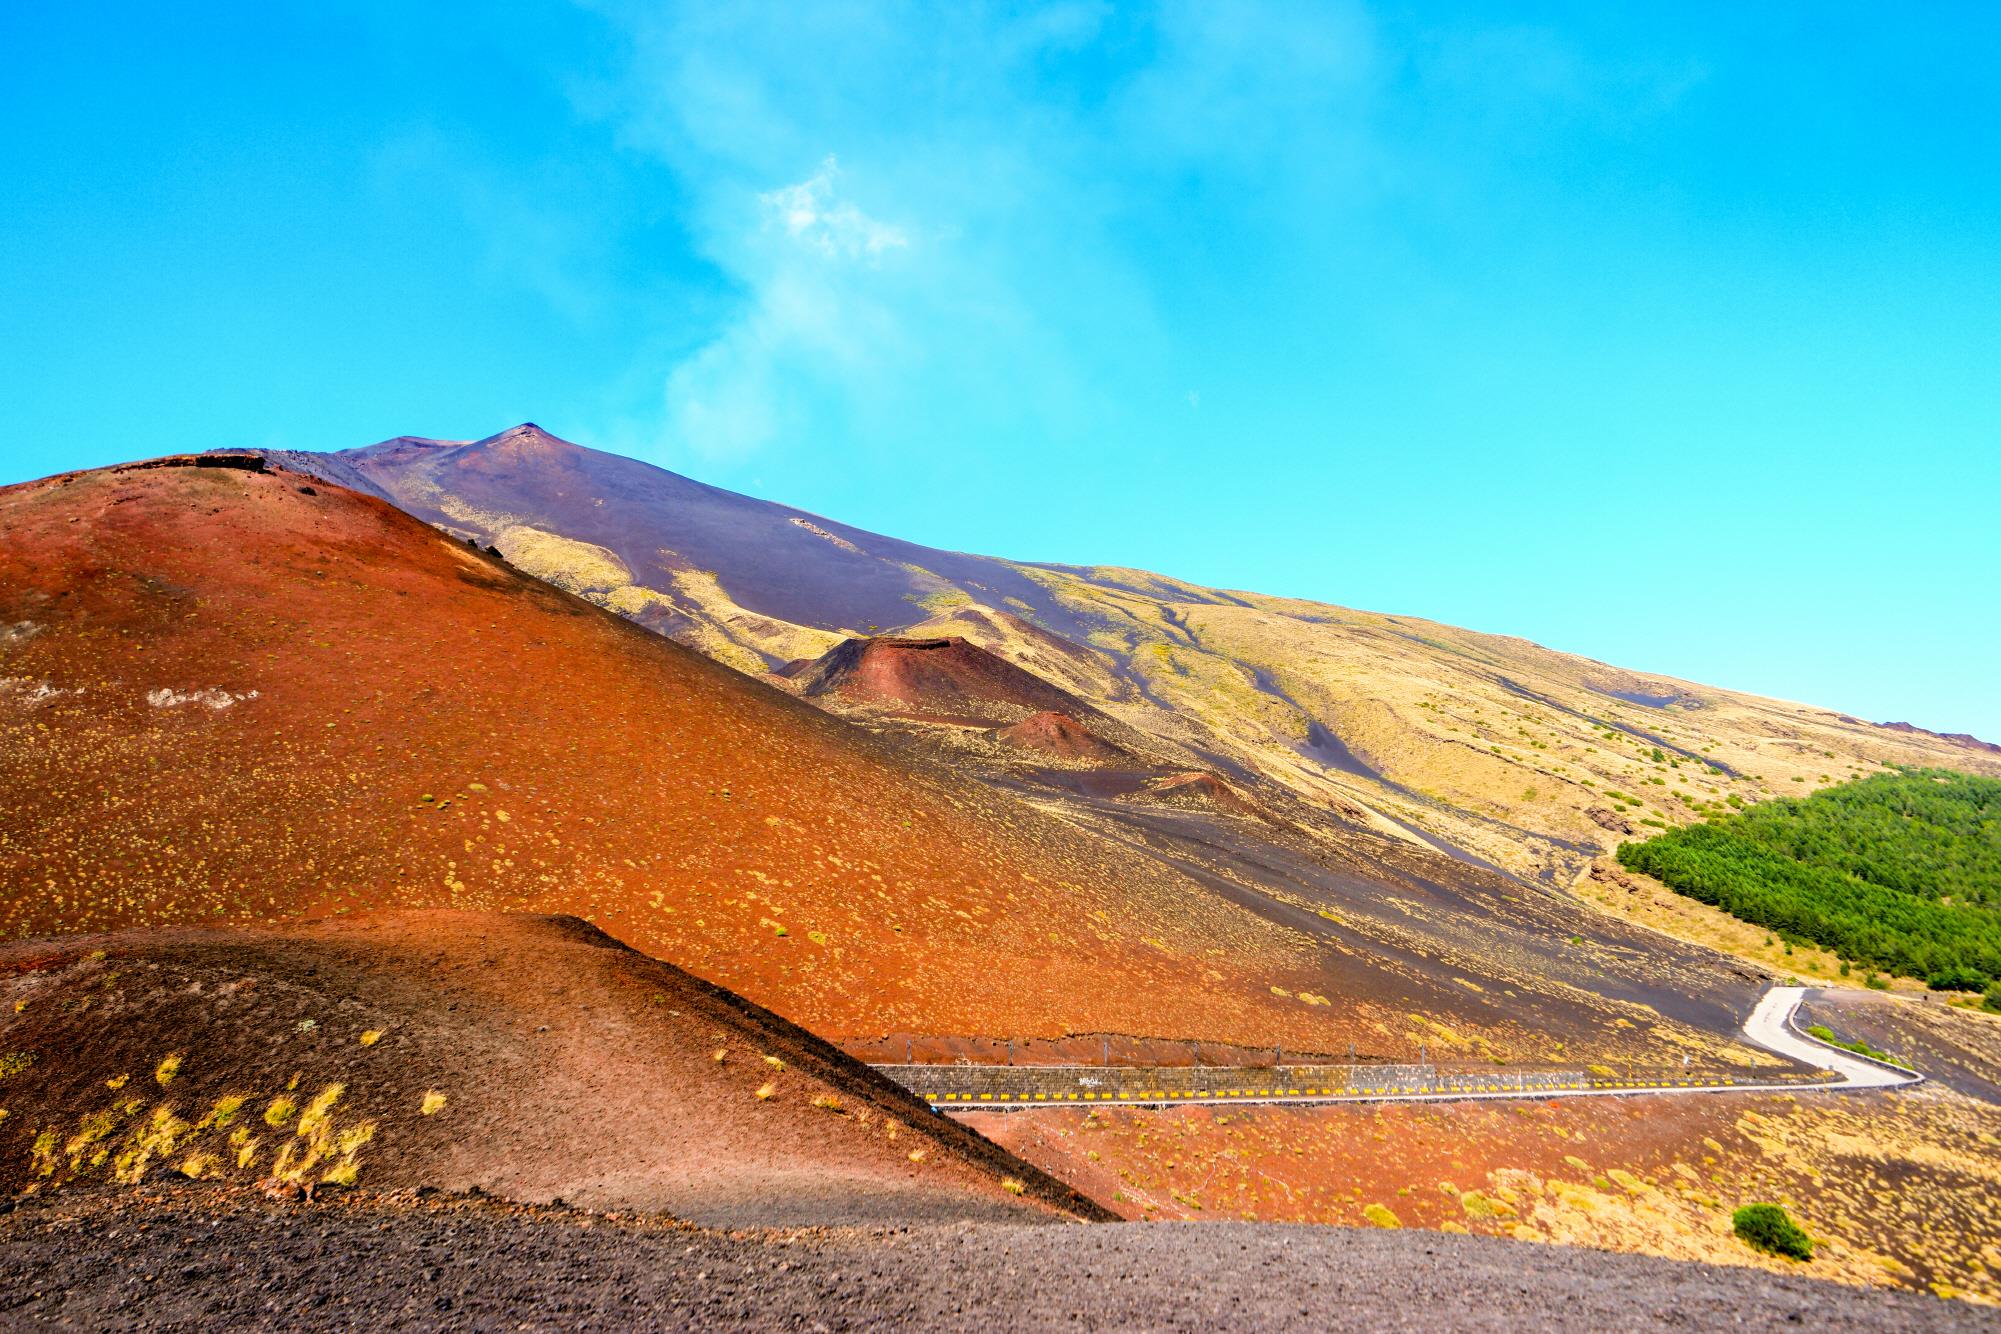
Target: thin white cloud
column 812, row 214
column 1026, row 203
column 810, row 333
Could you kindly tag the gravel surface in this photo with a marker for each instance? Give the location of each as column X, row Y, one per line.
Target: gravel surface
column 198, row 1258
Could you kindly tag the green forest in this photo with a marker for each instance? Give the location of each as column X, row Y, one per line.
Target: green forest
column 1898, row 872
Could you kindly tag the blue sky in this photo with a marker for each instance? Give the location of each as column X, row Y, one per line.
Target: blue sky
column 1670, row 335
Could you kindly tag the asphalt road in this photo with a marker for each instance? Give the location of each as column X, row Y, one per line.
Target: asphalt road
column 1770, row 1026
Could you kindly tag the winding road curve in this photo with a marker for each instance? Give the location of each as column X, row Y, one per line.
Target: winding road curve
column 1771, row 1026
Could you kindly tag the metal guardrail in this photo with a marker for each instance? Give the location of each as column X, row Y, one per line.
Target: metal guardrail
column 1018, row 1086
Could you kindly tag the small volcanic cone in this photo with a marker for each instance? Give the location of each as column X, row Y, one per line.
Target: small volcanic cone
column 1203, row 791
column 1060, row 735
column 947, row 678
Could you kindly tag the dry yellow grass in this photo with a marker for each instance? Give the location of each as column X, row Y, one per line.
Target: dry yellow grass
column 1520, row 754
column 1642, row 899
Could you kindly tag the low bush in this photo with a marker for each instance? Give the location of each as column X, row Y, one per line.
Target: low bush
column 1769, row 1228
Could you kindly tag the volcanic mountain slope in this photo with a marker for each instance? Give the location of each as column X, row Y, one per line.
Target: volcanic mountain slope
column 234, row 694
column 1492, row 744
column 530, row 1057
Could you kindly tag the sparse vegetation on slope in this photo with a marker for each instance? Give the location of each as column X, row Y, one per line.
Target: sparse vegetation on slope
column 1898, row 871
column 1533, row 760
column 1895, row 1191
column 248, row 701
column 1827, row 1035
column 528, row 1056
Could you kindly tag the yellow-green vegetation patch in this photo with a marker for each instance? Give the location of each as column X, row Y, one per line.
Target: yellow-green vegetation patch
column 168, row 1068
column 319, row 1140
column 945, row 599
column 1629, row 1183
column 1381, row 1215
column 157, row 1136
column 433, row 1103
column 14, row 1062
column 125, row 1141
column 224, row 1111
column 93, row 1128
column 571, row 565
column 316, row 1117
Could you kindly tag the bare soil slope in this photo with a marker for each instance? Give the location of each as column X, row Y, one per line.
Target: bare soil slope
column 1959, row 1048
column 235, row 695
column 199, row 1258
column 531, row 1057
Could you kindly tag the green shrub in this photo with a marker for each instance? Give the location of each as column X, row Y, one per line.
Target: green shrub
column 1769, row 1228
column 1992, row 1000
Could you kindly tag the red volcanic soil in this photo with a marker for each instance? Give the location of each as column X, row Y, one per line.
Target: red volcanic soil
column 229, row 695
column 940, row 678
column 1061, row 735
column 533, row 1057
column 1870, row 1175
